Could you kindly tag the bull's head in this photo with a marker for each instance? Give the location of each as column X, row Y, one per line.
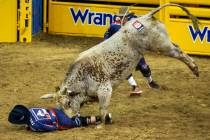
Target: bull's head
column 62, row 100
column 67, row 100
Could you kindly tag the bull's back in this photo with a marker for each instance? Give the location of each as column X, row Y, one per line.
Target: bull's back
column 111, row 60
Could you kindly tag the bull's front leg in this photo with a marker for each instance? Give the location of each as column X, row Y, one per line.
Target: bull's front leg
column 76, row 102
column 104, row 93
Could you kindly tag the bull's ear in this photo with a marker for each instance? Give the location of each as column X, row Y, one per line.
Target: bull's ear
column 62, row 91
column 65, row 91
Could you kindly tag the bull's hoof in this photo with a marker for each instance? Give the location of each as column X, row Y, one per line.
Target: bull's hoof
column 108, row 118
column 197, row 74
column 196, row 71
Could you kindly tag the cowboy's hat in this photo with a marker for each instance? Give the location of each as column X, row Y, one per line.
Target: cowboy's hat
column 123, row 11
column 19, row 115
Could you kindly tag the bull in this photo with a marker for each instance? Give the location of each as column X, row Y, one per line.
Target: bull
column 101, row 68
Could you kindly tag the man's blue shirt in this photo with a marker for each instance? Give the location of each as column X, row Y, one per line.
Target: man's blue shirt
column 49, row 120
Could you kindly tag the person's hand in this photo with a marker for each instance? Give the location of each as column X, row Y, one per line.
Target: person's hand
column 117, row 19
column 131, row 14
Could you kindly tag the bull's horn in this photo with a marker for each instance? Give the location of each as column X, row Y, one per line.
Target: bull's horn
column 47, row 96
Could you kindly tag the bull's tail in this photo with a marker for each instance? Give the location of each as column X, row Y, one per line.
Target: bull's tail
column 192, row 17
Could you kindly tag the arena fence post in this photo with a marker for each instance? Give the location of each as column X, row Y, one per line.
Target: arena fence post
column 25, row 21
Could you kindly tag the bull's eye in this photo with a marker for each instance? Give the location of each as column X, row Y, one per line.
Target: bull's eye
column 69, row 103
column 82, row 104
column 57, row 88
column 71, row 93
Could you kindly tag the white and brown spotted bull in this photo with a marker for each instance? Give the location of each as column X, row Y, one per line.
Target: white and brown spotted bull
column 101, row 68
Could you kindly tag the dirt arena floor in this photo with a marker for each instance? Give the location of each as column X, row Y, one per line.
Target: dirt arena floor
column 180, row 110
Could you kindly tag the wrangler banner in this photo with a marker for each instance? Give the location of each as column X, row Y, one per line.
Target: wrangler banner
column 84, row 19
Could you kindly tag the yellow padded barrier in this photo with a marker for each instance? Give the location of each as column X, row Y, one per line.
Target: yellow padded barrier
column 8, row 23
column 131, row 1
column 82, row 19
column 203, row 2
column 181, row 30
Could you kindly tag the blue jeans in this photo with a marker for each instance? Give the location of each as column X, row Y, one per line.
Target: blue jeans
column 65, row 122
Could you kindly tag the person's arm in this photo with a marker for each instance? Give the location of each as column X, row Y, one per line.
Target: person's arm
column 131, row 15
column 81, row 121
column 85, row 121
column 107, row 34
column 39, row 126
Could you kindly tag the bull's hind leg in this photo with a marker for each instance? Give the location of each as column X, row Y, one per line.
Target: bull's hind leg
column 104, row 95
column 175, row 51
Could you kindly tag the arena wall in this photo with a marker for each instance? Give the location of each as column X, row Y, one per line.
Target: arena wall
column 92, row 18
